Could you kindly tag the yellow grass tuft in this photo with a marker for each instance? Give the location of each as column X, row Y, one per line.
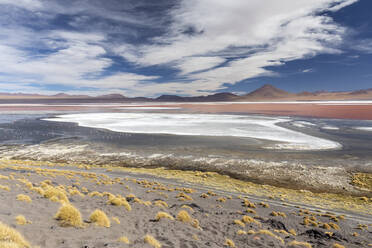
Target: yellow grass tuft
column 100, row 218
column 68, row 215
column 268, row 233
column 10, row 237
column 335, row 245
column 251, row 211
column 295, row 243
column 241, row 232
column 278, row 214
column 230, row 243
column 264, row 205
column 75, row 191
column 25, row 198
column 119, row 201
column 161, row 203
column 326, row 226
column 4, row 177
column 184, row 197
column 184, row 216
column 249, row 219
column 152, row 241
column 116, row 220
column 124, row 240
column 3, row 187
column 239, row 222
column 195, row 223
column 188, row 207
column 334, row 226
column 163, row 215
column 249, row 204
column 95, row 193
column 221, row 199
column 21, row 220
column 58, row 192
column 204, row 195
column 293, row 232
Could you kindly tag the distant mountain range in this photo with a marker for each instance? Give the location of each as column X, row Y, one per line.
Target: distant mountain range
column 264, row 93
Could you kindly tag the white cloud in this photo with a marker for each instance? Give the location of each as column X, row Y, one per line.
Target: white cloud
column 78, row 61
column 210, row 42
column 363, row 46
column 267, row 33
column 26, row 4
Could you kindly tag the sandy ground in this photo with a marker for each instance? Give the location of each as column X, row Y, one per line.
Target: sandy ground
column 220, row 216
column 356, row 111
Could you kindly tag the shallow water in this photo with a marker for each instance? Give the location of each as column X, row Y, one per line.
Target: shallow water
column 245, row 126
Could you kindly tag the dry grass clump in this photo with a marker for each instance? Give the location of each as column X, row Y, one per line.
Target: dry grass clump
column 21, row 220
column 68, row 215
column 56, row 192
column 278, row 214
column 293, row 232
column 152, row 241
column 249, row 204
column 268, row 233
column 10, row 237
column 4, row 177
column 230, row 243
column 116, row 220
column 161, row 203
column 249, row 219
column 119, row 201
column 241, row 232
column 124, row 240
column 334, row 226
column 184, row 216
column 195, row 223
column 75, row 191
column 362, row 227
column 221, row 199
column 281, row 231
column 307, row 221
column 95, row 193
column 239, row 222
column 100, row 218
column 251, row 211
column 264, row 205
column 4, row 187
column 184, row 197
column 298, row 243
column 326, row 226
column 146, row 203
column 204, row 195
column 335, row 245
column 211, row 193
column 163, row 215
column 25, row 198
column 188, row 207
column 363, row 180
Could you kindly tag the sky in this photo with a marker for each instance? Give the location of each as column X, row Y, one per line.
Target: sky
column 184, row 47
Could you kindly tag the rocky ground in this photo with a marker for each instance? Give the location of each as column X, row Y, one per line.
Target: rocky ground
column 53, row 206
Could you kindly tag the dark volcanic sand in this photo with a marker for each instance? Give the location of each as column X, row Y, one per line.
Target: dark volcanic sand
column 215, row 214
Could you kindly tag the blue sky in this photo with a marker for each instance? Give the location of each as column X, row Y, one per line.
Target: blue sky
column 184, row 47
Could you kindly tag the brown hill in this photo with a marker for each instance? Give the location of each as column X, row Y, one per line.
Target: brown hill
column 267, row 92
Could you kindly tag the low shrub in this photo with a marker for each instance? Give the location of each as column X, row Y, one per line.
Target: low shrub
column 100, row 218
column 68, row 215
